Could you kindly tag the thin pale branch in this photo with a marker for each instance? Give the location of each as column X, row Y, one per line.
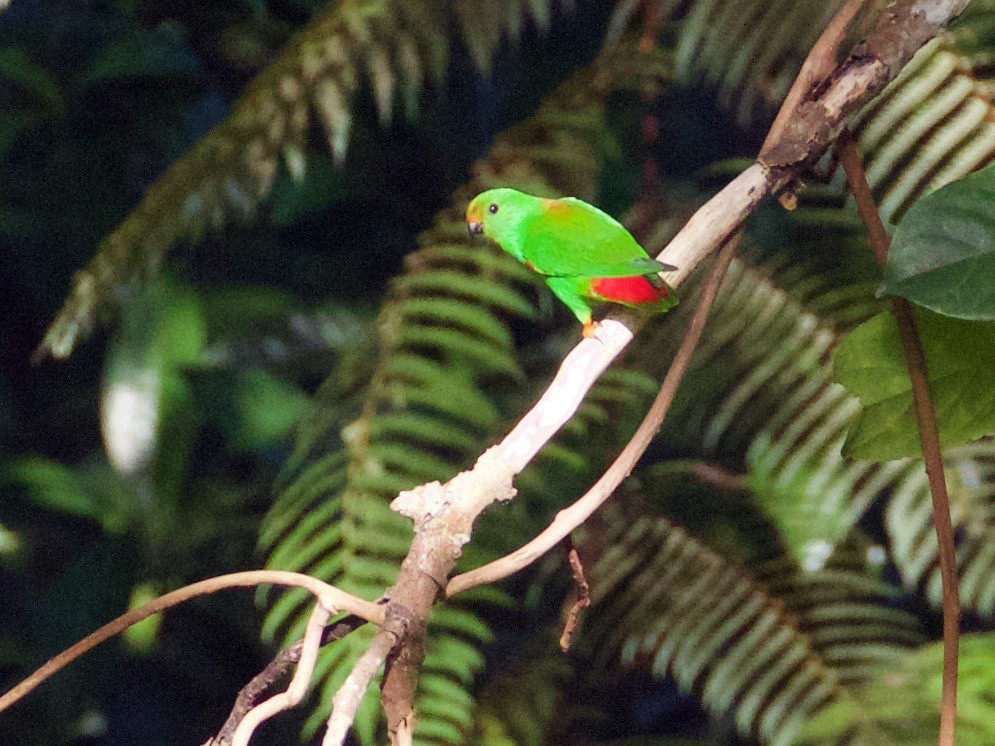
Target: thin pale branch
column 570, row 518
column 328, row 596
column 274, row 671
column 350, row 694
column 915, row 358
column 298, row 684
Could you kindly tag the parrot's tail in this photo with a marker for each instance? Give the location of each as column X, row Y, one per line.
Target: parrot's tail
column 638, row 292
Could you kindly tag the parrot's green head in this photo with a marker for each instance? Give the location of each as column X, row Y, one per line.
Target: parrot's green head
column 499, row 213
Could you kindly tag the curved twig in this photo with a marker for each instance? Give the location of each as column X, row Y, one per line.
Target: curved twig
column 289, row 656
column 298, row 684
column 330, row 597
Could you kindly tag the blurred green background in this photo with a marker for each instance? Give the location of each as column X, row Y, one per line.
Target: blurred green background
column 218, row 359
column 322, row 333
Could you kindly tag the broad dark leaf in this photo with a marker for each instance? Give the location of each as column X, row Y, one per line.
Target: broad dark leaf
column 943, row 254
column 871, row 365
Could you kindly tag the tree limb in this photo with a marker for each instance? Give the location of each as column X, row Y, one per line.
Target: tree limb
column 816, row 68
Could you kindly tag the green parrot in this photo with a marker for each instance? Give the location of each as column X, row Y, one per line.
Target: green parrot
column 586, row 256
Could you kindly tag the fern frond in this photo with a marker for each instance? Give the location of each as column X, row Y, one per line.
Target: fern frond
column 778, row 404
column 933, row 123
column 769, row 647
column 395, row 45
column 444, row 366
column 423, row 417
column 749, row 52
column 901, row 702
column 626, row 10
column 760, row 384
column 519, row 705
column 970, row 472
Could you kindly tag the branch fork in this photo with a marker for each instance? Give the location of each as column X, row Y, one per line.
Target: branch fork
column 452, row 507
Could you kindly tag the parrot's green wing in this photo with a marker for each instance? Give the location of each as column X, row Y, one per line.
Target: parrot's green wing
column 571, row 238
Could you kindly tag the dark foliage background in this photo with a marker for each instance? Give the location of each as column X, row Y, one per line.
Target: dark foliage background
column 262, row 355
column 99, row 98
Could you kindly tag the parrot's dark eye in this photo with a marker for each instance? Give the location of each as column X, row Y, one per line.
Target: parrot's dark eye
column 492, row 209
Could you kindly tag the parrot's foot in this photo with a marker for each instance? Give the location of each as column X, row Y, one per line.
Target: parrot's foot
column 590, row 327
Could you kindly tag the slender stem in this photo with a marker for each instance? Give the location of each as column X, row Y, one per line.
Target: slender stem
column 298, row 684
column 915, row 357
column 582, row 599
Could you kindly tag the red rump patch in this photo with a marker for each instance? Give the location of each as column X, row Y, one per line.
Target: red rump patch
column 633, row 290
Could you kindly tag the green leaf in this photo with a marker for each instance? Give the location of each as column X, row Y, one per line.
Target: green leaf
column 163, row 325
column 10, row 545
column 181, row 334
column 252, row 407
column 87, row 491
column 943, row 254
column 53, row 485
column 16, row 66
column 142, row 636
column 870, row 364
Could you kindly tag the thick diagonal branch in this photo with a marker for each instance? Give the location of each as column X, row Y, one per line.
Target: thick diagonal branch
column 570, row 518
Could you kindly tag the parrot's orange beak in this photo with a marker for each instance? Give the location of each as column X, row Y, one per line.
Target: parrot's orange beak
column 474, row 220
